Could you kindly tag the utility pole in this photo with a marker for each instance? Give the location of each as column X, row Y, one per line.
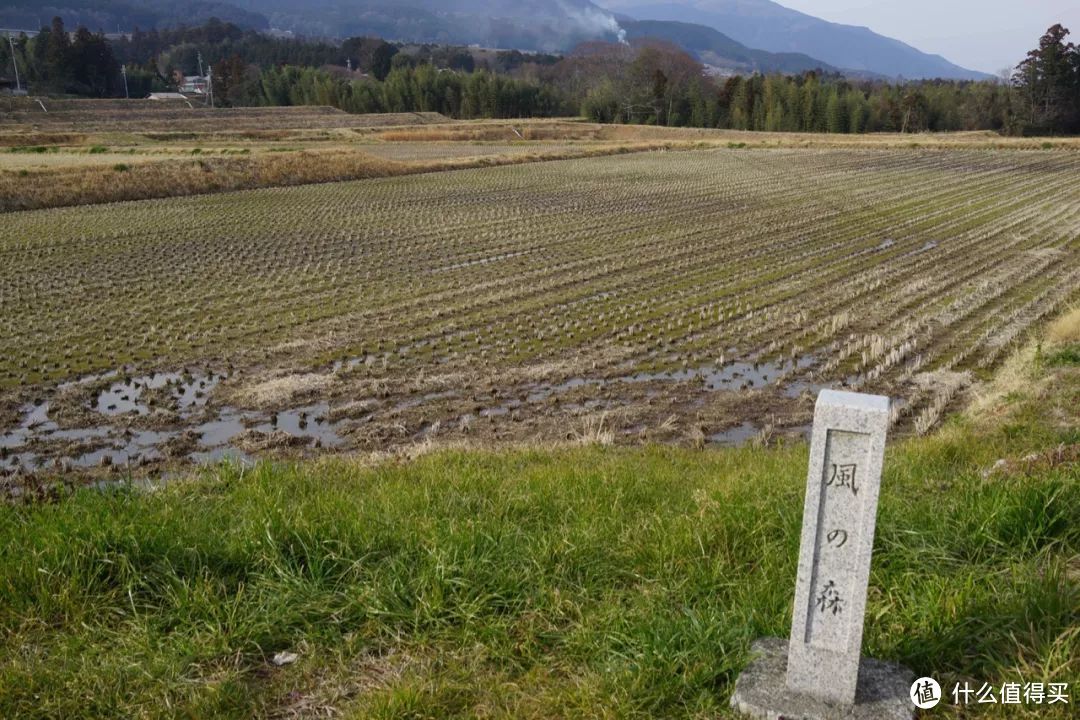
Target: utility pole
column 200, row 64
column 18, row 84
column 123, row 72
column 210, row 83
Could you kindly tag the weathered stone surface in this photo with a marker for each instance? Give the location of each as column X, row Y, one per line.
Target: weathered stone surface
column 762, row 691
column 846, row 451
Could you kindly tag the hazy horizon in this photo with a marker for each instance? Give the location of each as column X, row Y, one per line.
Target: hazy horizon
column 986, row 35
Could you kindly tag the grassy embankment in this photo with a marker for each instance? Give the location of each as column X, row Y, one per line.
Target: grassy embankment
column 135, row 180
column 541, row 582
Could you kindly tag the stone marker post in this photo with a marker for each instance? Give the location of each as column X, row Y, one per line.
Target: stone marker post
column 819, row 673
column 846, row 452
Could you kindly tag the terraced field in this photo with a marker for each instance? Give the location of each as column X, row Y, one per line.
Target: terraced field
column 21, row 113
column 85, row 152
column 675, row 296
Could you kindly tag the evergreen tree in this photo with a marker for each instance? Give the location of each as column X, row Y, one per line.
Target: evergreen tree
column 1049, row 83
column 836, row 112
column 93, row 69
column 57, row 56
column 857, row 112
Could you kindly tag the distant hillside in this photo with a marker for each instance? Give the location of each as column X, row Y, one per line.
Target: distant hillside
column 740, row 35
column 547, row 25
column 717, row 49
column 770, row 26
column 108, row 15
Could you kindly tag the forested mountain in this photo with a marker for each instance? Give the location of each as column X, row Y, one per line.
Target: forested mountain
column 546, row 25
column 537, row 25
column 714, row 48
column 769, row 26
column 108, row 15
column 740, row 35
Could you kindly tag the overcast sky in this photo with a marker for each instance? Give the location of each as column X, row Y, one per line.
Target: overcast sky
column 985, row 35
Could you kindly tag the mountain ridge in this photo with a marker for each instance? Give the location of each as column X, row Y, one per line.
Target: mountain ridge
column 716, row 49
column 740, row 35
column 775, row 28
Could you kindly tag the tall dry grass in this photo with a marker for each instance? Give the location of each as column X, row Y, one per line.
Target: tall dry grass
column 1066, row 329
column 509, row 131
column 169, row 116
column 31, row 190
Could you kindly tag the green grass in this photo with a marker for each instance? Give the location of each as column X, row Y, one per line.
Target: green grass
column 529, row 583
column 1069, row 355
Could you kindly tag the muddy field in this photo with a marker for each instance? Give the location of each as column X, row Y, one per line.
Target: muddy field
column 694, row 297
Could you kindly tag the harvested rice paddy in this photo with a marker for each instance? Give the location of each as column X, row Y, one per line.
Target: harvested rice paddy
column 687, row 296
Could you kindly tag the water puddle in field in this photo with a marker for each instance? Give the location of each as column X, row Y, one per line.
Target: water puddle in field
column 35, row 421
column 796, row 388
column 228, row 425
column 184, row 390
column 144, row 419
column 730, row 376
column 736, row 375
column 419, row 400
column 39, row 443
column 306, row 422
column 930, row 245
column 735, row 436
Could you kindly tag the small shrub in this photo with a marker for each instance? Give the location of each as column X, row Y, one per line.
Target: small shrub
column 98, row 150
column 121, row 167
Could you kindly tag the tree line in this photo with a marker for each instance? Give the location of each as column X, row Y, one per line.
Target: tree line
column 424, row 88
column 648, row 82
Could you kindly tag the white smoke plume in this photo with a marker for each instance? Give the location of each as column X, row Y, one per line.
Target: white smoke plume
column 594, row 21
